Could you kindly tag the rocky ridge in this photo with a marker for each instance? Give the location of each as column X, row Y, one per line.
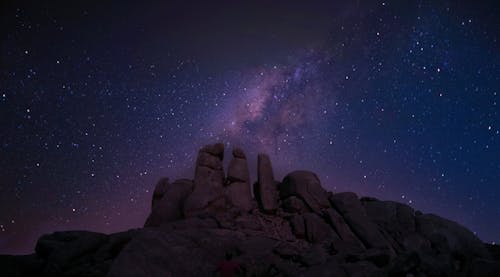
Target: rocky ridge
column 288, row 228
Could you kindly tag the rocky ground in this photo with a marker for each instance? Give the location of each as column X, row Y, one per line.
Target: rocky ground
column 288, row 228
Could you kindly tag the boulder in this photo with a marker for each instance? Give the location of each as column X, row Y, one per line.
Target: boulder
column 238, row 190
column 216, row 149
column 208, row 192
column 266, row 189
column 73, row 242
column 238, row 194
column 294, row 204
column 187, row 252
column 208, row 160
column 160, row 189
column 112, row 247
column 396, row 220
column 170, row 206
column 282, row 230
column 238, row 168
column 239, row 153
column 458, row 239
column 354, row 214
column 298, row 226
column 391, row 215
column 317, row 230
column 339, row 225
column 305, row 185
column 197, row 252
column 69, row 251
column 345, row 249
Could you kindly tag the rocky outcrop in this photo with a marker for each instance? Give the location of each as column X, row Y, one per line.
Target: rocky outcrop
column 168, row 206
column 238, row 182
column 294, row 204
column 317, row 230
column 160, row 189
column 208, row 193
column 354, row 214
column 341, row 228
column 72, row 253
column 238, row 168
column 298, row 229
column 266, row 188
column 306, row 186
column 213, row 193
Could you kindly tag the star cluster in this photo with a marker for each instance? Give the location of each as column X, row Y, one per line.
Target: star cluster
column 393, row 100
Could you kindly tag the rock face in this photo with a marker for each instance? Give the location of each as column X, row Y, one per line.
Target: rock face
column 169, row 205
column 266, row 189
column 160, row 189
column 355, row 215
column 306, row 186
column 73, row 253
column 208, row 193
column 238, row 182
column 238, row 168
column 341, row 228
column 297, row 229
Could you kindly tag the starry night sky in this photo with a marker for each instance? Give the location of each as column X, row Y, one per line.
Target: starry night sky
column 390, row 100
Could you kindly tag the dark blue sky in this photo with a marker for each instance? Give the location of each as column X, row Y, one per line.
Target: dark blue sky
column 388, row 99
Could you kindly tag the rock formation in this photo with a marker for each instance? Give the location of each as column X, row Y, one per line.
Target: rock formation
column 291, row 228
column 306, row 186
column 266, row 190
column 208, row 193
column 168, row 201
column 238, row 182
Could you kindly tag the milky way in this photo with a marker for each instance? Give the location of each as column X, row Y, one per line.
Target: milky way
column 393, row 100
column 272, row 104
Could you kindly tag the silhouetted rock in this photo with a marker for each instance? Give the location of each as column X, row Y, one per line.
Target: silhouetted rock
column 342, row 229
column 298, row 226
column 306, row 186
column 239, row 196
column 294, row 204
column 266, row 188
column 317, row 230
column 238, row 189
column 208, row 195
column 160, row 189
column 355, row 216
column 21, row 266
column 73, row 253
column 169, row 206
column 238, row 168
column 298, row 229
column 457, row 238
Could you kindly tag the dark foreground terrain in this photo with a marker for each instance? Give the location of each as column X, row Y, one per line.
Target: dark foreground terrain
column 288, row 228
